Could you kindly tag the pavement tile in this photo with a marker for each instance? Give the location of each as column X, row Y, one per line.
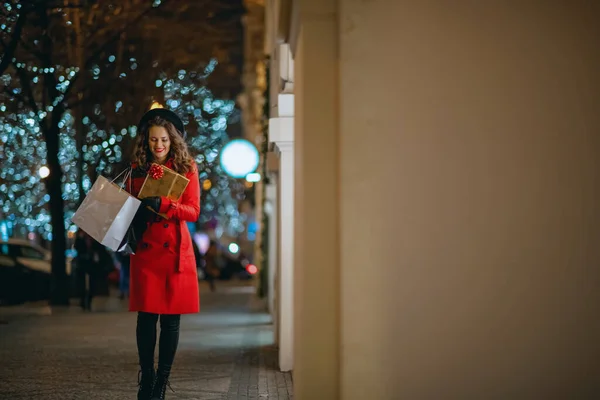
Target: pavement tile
column 225, row 352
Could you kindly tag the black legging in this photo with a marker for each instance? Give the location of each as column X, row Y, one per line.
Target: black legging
column 167, row 345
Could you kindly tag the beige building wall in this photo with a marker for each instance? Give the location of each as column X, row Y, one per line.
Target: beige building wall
column 447, row 200
column 316, row 223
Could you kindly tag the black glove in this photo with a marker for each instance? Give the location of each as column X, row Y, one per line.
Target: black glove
column 135, row 231
column 152, row 202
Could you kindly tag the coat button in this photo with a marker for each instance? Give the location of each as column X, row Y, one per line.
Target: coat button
column 166, row 225
column 145, row 245
column 166, row 245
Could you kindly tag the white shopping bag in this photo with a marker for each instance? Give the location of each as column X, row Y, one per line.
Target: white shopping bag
column 106, row 213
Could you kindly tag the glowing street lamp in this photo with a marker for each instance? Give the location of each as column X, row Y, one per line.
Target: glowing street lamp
column 234, row 248
column 44, row 172
column 253, row 177
column 156, row 104
column 239, row 158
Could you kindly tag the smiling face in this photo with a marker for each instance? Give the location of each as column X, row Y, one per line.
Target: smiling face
column 159, row 143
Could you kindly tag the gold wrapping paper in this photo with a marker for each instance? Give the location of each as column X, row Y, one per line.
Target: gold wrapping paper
column 171, row 185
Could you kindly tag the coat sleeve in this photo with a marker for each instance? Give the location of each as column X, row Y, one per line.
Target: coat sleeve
column 187, row 208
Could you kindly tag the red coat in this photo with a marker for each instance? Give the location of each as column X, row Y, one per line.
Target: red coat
column 163, row 276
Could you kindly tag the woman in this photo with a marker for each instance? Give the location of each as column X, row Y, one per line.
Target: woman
column 163, row 276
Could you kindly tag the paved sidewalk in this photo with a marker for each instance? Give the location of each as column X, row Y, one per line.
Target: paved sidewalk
column 225, row 352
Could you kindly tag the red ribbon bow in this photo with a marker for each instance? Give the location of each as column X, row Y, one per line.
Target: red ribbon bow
column 156, row 171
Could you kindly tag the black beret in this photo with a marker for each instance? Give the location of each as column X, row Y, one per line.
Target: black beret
column 166, row 115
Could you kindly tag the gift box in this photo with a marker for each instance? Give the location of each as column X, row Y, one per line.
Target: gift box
column 168, row 184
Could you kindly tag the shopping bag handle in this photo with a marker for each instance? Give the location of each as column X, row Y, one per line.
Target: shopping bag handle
column 127, row 173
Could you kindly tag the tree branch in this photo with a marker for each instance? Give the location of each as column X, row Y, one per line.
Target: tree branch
column 77, row 102
column 71, row 86
column 12, row 94
column 12, row 46
column 26, row 85
column 65, row 6
column 31, row 50
column 48, row 50
column 116, row 36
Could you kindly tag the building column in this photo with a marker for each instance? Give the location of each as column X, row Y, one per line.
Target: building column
column 317, row 206
column 272, row 210
column 281, row 132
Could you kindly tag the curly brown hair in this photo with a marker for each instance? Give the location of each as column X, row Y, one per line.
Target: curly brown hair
column 182, row 161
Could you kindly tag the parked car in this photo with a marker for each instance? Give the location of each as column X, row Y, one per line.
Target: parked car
column 25, row 270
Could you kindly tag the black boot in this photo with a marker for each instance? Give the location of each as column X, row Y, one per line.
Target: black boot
column 169, row 338
column 145, row 383
column 146, row 342
column 160, row 386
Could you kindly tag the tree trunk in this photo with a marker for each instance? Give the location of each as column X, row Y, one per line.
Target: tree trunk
column 59, row 289
column 80, row 139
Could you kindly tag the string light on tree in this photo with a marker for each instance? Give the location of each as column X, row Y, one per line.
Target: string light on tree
column 98, row 135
